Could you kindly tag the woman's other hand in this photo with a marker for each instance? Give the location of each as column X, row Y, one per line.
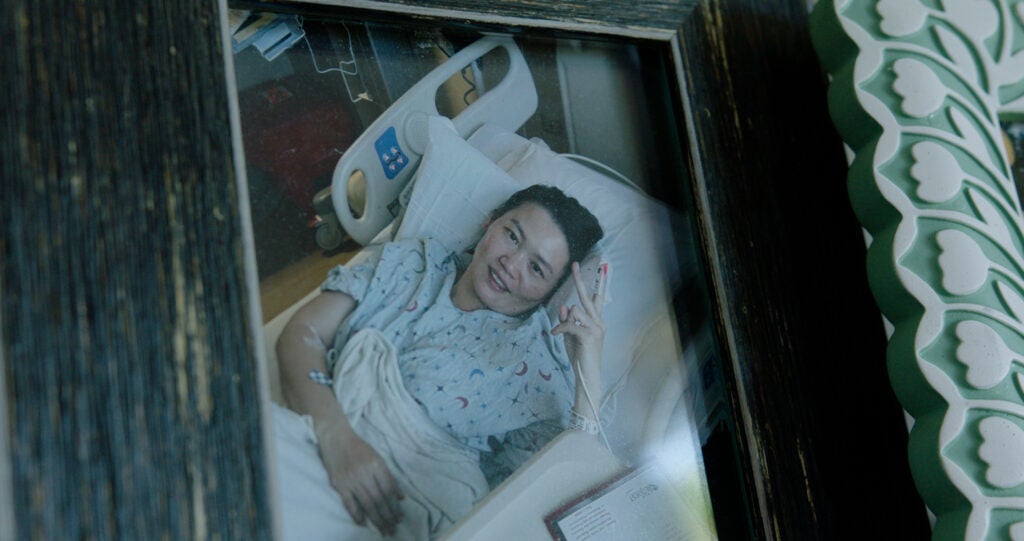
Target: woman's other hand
column 360, row 476
column 584, row 330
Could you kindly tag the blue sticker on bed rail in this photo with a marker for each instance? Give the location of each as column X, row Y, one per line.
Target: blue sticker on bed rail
column 392, row 159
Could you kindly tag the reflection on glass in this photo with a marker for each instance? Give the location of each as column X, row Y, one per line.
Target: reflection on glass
column 361, row 137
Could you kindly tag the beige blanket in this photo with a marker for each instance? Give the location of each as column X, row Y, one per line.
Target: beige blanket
column 441, row 478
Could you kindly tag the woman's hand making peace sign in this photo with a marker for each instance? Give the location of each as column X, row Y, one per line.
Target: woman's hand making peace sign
column 584, row 330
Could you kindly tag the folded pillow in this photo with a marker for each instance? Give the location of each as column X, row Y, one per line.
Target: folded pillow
column 454, row 190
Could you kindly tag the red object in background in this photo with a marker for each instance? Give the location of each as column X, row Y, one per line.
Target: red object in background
column 276, row 94
column 295, row 136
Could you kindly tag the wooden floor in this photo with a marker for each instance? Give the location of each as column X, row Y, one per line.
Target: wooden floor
column 295, row 281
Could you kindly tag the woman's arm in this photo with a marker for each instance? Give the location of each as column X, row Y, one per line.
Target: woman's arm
column 356, row 471
column 302, row 347
column 584, row 330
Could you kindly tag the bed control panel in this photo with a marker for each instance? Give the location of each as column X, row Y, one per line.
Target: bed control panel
column 397, row 139
column 390, row 154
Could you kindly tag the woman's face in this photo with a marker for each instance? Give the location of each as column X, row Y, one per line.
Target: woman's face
column 520, row 258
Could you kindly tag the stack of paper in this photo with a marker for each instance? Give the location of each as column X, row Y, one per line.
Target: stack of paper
column 270, row 33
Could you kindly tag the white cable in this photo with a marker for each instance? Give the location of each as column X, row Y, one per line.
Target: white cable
column 605, row 167
column 354, row 99
column 316, row 66
column 593, row 410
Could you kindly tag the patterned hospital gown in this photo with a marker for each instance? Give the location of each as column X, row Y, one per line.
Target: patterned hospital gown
column 500, row 384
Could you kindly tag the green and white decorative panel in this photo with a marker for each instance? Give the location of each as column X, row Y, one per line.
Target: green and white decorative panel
column 925, row 93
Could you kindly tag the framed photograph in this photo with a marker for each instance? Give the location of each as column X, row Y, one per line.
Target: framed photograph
column 365, row 130
column 931, row 104
column 169, row 180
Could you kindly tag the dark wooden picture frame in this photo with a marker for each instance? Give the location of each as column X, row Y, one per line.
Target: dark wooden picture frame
column 129, row 389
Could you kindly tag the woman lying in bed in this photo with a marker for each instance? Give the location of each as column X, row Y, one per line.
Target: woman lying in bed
column 424, row 379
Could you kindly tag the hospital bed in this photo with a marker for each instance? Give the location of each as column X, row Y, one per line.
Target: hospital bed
column 427, row 175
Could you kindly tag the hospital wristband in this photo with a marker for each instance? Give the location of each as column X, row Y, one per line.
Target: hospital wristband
column 320, row 377
column 579, row 422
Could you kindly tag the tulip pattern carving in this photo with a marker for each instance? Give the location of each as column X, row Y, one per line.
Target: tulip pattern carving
column 918, row 92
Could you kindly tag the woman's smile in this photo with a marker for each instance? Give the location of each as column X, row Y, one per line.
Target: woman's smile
column 516, row 264
column 497, row 283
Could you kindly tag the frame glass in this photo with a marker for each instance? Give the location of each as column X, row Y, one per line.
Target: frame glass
column 319, row 87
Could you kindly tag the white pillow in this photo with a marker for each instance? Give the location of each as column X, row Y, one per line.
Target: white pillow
column 458, row 183
column 453, row 193
column 454, row 190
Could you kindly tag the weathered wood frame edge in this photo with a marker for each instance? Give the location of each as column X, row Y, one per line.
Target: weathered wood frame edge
column 7, row 524
column 252, row 285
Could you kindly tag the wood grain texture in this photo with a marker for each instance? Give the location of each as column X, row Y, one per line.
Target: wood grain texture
column 635, row 19
column 128, row 362
column 824, row 428
column 128, row 380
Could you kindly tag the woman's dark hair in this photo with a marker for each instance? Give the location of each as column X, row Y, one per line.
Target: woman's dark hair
column 580, row 227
